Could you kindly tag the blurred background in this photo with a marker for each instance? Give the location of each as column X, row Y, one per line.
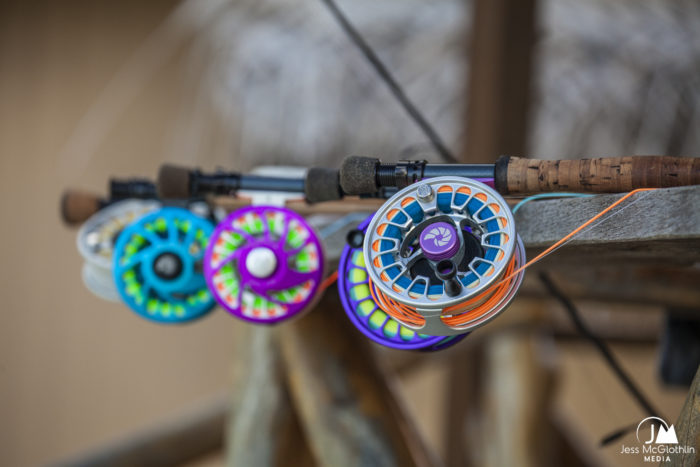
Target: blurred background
column 95, row 89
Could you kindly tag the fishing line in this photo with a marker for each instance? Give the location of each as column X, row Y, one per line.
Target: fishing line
column 385, row 75
column 548, row 195
column 583, row 227
column 132, row 76
column 479, row 307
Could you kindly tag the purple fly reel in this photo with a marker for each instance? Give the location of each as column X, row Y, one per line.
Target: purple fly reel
column 366, row 315
column 264, row 264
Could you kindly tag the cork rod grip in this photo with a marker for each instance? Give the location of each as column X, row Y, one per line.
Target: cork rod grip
column 515, row 175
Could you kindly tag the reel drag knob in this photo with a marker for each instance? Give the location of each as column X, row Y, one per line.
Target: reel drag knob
column 264, row 264
column 157, row 266
column 439, row 241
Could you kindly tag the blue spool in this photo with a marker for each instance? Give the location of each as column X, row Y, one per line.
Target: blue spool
column 157, row 266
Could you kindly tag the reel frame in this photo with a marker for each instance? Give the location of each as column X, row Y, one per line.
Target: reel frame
column 248, row 264
column 160, row 253
column 394, row 244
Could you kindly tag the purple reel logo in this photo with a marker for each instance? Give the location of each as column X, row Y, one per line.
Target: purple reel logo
column 439, row 241
column 441, row 236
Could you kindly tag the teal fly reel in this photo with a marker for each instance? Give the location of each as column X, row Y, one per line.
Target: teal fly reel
column 158, row 266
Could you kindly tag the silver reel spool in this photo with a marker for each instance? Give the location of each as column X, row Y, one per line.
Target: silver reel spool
column 96, row 240
column 441, row 243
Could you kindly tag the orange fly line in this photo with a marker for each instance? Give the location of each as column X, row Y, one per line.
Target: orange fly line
column 463, row 313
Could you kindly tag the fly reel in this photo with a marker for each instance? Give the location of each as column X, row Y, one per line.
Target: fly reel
column 264, row 264
column 365, row 314
column 158, row 266
column 96, row 239
column 440, row 256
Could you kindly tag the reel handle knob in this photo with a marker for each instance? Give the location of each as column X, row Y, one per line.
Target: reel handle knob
column 447, row 272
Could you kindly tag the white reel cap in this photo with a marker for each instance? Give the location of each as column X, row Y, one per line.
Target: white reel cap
column 261, row 262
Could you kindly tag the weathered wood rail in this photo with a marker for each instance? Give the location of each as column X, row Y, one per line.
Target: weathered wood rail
column 661, row 225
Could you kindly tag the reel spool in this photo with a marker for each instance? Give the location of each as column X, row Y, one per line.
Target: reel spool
column 435, row 249
column 96, row 239
column 365, row 314
column 157, row 266
column 99, row 281
column 264, row 264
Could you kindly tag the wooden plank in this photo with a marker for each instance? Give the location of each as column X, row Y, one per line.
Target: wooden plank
column 348, row 407
column 462, row 402
column 661, row 225
column 500, row 67
column 688, row 428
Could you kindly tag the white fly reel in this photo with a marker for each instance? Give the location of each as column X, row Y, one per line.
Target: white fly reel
column 440, row 255
column 96, row 240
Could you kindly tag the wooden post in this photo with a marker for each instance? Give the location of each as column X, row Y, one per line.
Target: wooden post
column 503, row 35
column 502, row 39
column 346, row 403
column 466, row 366
column 263, row 430
column 688, row 428
column 518, row 390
